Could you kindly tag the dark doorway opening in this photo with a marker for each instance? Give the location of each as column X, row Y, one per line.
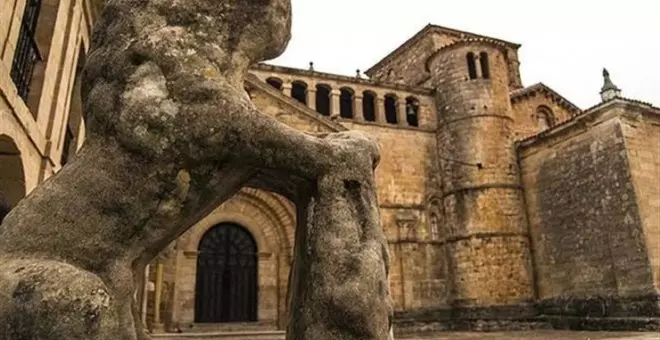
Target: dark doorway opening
column 226, row 288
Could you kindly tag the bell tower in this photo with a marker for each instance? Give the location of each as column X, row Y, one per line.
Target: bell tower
column 485, row 227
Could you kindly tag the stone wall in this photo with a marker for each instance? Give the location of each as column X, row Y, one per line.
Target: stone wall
column 642, row 137
column 408, row 67
column 590, row 251
column 37, row 125
column 525, row 113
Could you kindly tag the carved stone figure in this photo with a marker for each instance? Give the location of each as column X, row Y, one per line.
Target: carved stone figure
column 171, row 134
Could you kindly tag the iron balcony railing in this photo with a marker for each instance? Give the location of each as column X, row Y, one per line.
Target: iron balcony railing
column 27, row 52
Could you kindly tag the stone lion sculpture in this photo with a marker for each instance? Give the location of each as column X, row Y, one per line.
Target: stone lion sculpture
column 171, row 134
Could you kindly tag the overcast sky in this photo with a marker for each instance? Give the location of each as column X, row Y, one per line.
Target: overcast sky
column 565, row 43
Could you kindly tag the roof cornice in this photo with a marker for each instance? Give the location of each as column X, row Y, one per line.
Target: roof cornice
column 588, row 116
column 493, row 42
column 429, row 29
column 344, row 79
column 521, row 94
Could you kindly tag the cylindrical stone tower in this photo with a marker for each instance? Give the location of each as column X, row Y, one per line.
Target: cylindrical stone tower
column 485, row 229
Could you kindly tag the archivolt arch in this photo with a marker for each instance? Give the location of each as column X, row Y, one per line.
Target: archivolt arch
column 265, row 215
column 12, row 175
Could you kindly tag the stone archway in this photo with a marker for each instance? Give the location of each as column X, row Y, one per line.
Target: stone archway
column 270, row 220
column 12, row 176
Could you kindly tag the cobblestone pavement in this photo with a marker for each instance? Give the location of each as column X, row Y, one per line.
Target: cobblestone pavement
column 538, row 335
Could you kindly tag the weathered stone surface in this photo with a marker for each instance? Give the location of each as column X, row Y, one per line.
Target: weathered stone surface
column 339, row 281
column 585, row 253
column 171, row 134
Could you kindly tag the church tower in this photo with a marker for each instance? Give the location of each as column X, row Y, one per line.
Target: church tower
column 485, row 228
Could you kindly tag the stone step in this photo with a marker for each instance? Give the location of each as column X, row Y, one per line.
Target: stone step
column 227, row 327
column 240, row 335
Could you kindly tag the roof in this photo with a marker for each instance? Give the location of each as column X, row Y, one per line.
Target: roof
column 634, row 102
column 647, row 107
column 472, row 40
column 519, row 94
column 430, row 29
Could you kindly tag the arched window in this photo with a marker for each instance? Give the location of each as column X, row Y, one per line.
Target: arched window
column 12, row 176
column 299, row 91
column 433, row 227
column 275, row 82
column 32, row 50
column 4, row 209
column 390, row 108
column 369, row 106
column 323, row 99
column 472, row 65
column 412, row 111
column 485, row 68
column 346, row 103
column 544, row 117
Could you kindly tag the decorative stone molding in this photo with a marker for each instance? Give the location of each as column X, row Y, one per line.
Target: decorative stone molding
column 408, row 225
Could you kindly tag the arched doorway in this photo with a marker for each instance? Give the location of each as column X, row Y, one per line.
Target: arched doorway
column 226, row 284
column 12, row 176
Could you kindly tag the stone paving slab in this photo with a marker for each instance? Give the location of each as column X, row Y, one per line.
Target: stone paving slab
column 538, row 335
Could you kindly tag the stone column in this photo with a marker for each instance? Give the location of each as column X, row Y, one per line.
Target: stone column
column 51, row 68
column 380, row 110
column 311, row 97
column 412, row 270
column 286, row 89
column 477, row 65
column 358, row 113
column 158, row 324
column 145, row 295
column 335, row 106
column 401, row 113
column 5, row 20
column 174, row 309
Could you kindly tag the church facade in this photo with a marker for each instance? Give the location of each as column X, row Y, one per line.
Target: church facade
column 498, row 200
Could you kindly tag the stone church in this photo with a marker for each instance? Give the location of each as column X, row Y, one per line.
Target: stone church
column 500, row 200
